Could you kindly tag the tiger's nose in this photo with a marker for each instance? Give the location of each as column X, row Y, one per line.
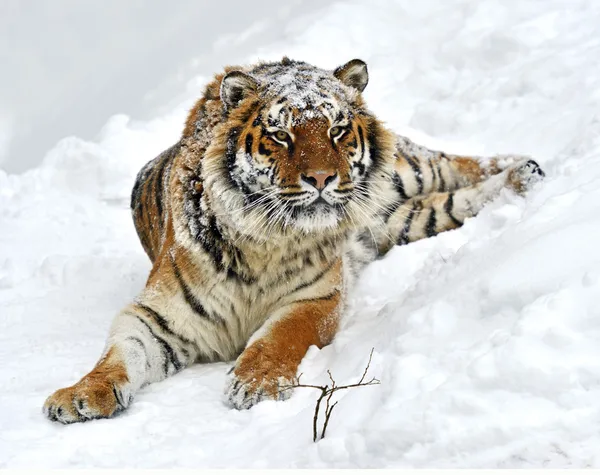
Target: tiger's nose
column 319, row 178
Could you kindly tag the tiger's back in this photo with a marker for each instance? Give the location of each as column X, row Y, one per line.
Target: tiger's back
column 150, row 199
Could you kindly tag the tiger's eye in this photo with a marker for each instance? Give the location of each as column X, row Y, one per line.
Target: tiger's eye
column 281, row 135
column 335, row 131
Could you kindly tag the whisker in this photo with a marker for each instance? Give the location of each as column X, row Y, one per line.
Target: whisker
column 251, row 205
column 378, row 221
column 399, row 203
column 257, row 222
column 275, row 221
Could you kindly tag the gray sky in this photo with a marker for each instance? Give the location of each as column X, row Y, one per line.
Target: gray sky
column 68, row 65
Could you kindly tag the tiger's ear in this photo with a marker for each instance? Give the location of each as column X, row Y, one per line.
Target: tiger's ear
column 354, row 74
column 236, row 86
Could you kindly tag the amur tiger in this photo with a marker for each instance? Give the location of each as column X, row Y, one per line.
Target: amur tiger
column 281, row 189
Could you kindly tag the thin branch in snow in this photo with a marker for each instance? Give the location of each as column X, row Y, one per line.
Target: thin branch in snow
column 327, row 393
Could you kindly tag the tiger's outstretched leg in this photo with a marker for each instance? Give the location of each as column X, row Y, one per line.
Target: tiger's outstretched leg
column 425, row 216
column 141, row 349
column 420, row 171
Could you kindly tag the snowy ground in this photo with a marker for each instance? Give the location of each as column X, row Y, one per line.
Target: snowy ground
column 487, row 339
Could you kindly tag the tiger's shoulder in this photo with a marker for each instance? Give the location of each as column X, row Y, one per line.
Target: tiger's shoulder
column 151, row 196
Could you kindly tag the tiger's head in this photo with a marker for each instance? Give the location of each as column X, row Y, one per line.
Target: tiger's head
column 300, row 150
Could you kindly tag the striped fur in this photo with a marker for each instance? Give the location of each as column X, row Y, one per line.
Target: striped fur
column 257, row 222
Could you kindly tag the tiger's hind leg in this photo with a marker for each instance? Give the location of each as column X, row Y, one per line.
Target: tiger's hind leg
column 419, row 171
column 425, row 216
column 141, row 349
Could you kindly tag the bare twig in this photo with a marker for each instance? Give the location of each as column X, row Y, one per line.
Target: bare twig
column 327, row 393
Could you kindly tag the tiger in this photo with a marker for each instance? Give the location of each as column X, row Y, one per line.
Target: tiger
column 282, row 187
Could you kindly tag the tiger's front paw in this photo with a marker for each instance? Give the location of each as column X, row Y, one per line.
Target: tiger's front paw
column 91, row 398
column 523, row 176
column 255, row 377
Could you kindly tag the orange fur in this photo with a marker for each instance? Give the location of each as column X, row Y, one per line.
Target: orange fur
column 95, row 390
column 469, row 168
column 279, row 353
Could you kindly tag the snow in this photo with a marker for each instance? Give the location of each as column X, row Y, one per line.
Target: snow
column 486, row 338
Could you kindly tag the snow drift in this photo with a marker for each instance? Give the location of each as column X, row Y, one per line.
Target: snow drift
column 486, row 338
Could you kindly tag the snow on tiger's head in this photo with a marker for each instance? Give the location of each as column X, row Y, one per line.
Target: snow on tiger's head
column 298, row 146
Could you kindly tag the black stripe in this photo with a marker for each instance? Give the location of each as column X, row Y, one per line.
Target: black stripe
column 291, row 146
column 375, row 150
column 399, row 186
column 162, row 322
column 333, row 145
column 150, row 181
column 138, row 341
column 210, row 238
column 140, row 180
column 159, row 186
column 314, row 299
column 431, row 223
column 257, row 120
column 264, row 150
column 442, row 181
column 137, row 207
column 433, row 177
column 191, row 299
column 231, row 151
column 141, row 344
column 448, row 208
column 233, row 274
column 417, row 171
column 361, row 168
column 389, row 211
column 136, row 190
column 361, row 137
column 403, row 238
column 318, row 277
column 168, row 352
column 249, row 141
column 238, row 267
column 119, row 397
column 147, row 202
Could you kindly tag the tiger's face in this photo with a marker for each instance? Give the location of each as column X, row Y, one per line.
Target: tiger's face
column 298, row 153
column 302, row 162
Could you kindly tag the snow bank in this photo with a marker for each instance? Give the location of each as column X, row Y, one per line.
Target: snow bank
column 486, row 338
